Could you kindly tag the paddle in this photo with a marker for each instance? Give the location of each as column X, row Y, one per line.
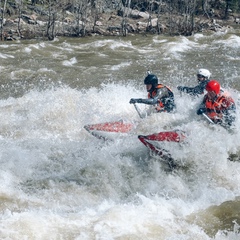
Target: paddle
column 138, row 111
column 209, row 119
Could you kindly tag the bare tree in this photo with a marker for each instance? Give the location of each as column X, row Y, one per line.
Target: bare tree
column 170, row 16
column 232, row 6
column 188, row 17
column 206, row 7
column 19, row 5
column 159, row 29
column 97, row 8
column 52, row 13
column 126, row 10
column 82, row 10
column 2, row 17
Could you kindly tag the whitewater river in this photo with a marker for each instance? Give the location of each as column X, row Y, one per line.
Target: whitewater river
column 60, row 182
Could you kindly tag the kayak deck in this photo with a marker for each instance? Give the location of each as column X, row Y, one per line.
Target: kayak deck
column 107, row 130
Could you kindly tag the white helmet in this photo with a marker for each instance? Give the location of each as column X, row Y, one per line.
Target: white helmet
column 204, row 72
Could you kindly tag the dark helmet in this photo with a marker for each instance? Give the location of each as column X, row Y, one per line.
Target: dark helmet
column 151, row 79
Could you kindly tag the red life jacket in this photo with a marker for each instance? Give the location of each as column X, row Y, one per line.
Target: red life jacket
column 215, row 109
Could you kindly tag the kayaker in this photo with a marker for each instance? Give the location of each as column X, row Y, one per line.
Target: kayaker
column 218, row 105
column 203, row 76
column 159, row 95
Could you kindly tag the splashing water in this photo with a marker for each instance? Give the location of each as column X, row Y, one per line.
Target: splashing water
column 59, row 182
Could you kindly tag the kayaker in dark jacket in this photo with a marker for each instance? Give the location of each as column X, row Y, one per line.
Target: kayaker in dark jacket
column 203, row 76
column 159, row 95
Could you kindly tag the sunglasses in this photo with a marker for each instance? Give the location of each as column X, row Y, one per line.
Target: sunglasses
column 200, row 76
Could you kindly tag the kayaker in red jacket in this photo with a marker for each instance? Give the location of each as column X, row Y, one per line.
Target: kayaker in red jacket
column 218, row 105
column 159, row 95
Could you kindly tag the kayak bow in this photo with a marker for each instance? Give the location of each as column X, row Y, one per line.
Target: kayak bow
column 153, row 141
column 107, row 130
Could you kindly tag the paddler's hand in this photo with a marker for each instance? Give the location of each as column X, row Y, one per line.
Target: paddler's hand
column 201, row 111
column 135, row 100
column 132, row 101
column 182, row 89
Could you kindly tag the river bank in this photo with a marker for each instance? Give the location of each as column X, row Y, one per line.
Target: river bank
column 34, row 24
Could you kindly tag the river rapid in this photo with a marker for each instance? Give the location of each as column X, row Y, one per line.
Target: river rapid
column 60, row 182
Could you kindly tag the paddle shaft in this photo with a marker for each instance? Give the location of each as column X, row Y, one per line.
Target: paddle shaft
column 209, row 119
column 138, row 111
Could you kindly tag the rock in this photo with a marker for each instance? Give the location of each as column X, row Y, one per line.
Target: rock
column 154, row 22
column 135, row 14
column 98, row 23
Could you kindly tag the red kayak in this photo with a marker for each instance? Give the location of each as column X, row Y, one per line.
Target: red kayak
column 154, row 141
column 108, row 130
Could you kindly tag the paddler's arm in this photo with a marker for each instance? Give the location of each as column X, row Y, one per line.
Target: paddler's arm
column 151, row 101
column 148, row 101
column 194, row 91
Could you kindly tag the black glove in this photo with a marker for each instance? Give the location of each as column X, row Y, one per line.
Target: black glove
column 134, row 100
column 201, row 111
column 182, row 89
